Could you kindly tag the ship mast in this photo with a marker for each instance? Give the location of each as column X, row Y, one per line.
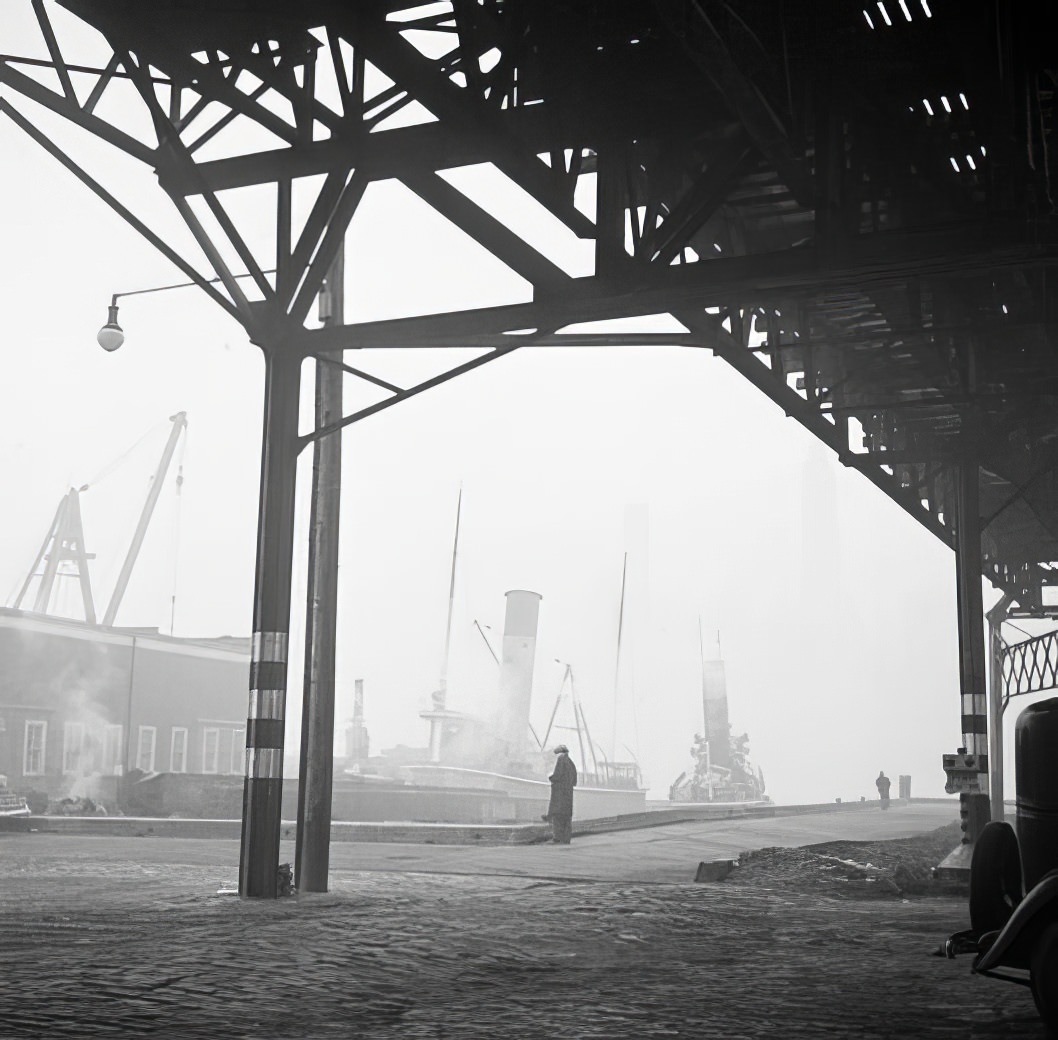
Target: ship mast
column 617, row 663
column 705, row 714
column 701, row 656
column 443, row 690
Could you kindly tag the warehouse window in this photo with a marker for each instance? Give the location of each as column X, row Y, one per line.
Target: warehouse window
column 73, row 746
column 178, row 751
column 145, row 748
column 238, row 751
column 114, row 749
column 33, row 748
column 210, row 749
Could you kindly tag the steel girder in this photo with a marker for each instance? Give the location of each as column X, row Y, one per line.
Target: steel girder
column 854, row 215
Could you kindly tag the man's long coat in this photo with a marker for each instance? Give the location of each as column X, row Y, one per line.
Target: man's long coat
column 563, row 780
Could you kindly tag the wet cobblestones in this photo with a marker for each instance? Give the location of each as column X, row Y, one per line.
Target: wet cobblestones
column 132, row 950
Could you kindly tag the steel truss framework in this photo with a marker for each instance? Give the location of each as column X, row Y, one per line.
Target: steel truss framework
column 852, row 207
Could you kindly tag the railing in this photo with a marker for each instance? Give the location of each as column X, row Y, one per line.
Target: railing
column 614, row 777
column 1031, row 666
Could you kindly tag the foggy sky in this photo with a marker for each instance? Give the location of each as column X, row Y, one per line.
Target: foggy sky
column 836, row 610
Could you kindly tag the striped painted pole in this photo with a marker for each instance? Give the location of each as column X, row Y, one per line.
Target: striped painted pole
column 265, row 724
column 973, row 675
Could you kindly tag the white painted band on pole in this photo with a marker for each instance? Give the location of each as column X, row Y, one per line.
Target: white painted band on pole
column 264, row 763
column 974, row 704
column 975, row 743
column 269, row 646
column 267, row 704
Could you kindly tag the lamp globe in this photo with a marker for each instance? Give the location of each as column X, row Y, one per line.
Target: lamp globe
column 111, row 335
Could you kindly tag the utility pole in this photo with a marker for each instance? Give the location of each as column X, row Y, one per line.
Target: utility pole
column 316, row 772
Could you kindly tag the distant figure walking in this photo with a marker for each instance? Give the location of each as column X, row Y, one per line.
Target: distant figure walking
column 560, row 809
column 882, row 783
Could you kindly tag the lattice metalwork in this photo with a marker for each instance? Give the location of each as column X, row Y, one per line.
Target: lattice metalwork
column 1031, row 666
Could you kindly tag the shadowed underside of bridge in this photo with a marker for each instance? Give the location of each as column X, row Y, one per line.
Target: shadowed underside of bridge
column 852, row 205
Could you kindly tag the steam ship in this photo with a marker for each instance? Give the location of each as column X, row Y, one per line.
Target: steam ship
column 499, row 755
column 721, row 770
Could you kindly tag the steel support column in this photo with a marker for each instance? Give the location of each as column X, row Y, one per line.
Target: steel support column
column 263, row 788
column 996, row 616
column 973, row 808
column 316, row 773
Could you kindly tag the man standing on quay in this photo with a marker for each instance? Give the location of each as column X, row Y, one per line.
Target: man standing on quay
column 882, row 783
column 560, row 809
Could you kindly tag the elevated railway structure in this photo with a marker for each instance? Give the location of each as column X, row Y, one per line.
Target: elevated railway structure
column 851, row 203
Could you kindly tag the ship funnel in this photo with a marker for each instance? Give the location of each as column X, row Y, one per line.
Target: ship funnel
column 356, row 739
column 717, row 728
column 516, row 671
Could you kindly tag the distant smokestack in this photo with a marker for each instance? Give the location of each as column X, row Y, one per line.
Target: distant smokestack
column 358, row 702
column 717, row 728
column 516, row 669
column 356, row 739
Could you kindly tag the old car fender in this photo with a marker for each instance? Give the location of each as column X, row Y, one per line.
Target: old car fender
column 1037, row 908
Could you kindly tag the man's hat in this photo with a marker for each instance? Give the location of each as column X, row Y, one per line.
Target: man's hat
column 561, row 748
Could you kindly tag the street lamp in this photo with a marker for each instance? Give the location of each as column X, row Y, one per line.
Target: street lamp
column 112, row 335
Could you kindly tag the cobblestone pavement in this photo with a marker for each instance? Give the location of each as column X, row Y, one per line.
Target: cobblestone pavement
column 127, row 949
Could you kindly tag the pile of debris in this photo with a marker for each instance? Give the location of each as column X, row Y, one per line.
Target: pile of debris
column 76, row 807
column 852, row 869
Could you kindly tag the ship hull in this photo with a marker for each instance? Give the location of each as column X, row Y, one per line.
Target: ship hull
column 528, row 797
column 424, row 794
